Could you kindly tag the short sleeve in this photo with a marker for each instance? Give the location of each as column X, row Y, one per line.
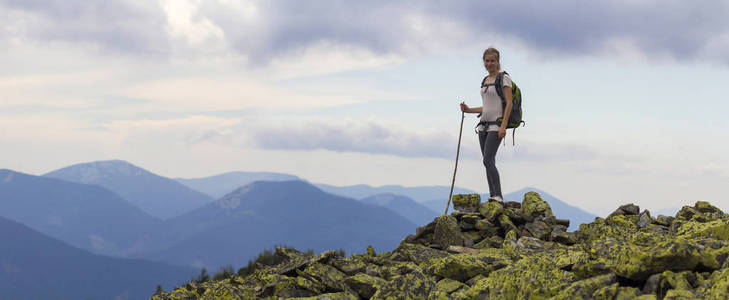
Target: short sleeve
column 506, row 81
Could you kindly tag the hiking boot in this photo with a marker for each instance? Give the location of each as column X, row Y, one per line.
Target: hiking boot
column 496, row 199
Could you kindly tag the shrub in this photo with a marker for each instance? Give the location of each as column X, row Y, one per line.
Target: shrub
column 203, row 277
column 268, row 258
column 225, row 272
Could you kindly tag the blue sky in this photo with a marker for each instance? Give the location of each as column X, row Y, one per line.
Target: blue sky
column 625, row 101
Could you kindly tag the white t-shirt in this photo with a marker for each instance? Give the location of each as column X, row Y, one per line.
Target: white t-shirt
column 492, row 108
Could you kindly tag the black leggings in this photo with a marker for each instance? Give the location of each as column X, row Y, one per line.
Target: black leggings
column 489, row 141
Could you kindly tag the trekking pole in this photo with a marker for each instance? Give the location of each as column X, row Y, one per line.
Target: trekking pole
column 458, row 152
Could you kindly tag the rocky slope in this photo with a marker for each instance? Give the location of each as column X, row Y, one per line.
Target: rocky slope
column 509, row 251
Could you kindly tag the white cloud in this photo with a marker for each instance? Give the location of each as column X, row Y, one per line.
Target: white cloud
column 326, row 57
column 182, row 22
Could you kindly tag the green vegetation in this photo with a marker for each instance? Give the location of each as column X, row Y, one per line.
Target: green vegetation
column 203, row 277
column 224, row 273
column 159, row 290
column 269, row 258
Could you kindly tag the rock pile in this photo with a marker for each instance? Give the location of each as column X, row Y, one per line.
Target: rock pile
column 509, row 251
column 485, row 225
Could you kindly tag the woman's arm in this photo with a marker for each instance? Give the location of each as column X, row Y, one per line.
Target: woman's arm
column 507, row 111
column 472, row 110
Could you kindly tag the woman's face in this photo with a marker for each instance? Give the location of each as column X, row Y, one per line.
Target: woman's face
column 491, row 63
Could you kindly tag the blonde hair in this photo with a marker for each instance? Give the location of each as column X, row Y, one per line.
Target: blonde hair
column 493, row 51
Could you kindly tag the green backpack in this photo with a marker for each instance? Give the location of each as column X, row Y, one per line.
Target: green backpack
column 515, row 118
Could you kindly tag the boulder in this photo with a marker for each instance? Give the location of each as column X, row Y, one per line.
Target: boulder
column 486, row 228
column 506, row 224
column 466, row 202
column 448, row 285
column 491, row 211
column 563, row 222
column 512, row 204
column 456, row 249
column 630, row 209
column 533, row 206
column 664, row 220
column 325, row 274
column 639, row 262
column 468, row 222
column 614, row 291
column 490, row 242
column 349, row 266
column 447, row 232
column 415, row 285
column 532, row 277
column 418, row 254
column 584, row 289
column 538, row 229
column 365, row 285
column 645, row 219
column 333, row 296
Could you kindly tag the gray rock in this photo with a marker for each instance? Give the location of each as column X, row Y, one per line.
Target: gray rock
column 630, row 209
column 447, row 233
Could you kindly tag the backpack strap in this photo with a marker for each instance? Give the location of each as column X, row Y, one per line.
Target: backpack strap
column 499, row 86
column 483, row 84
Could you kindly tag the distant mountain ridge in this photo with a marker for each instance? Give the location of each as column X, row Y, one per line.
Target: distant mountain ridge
column 404, row 206
column 418, row 193
column 230, row 230
column 156, row 195
column 433, row 198
column 86, row 216
column 220, row 185
column 35, row 266
column 264, row 214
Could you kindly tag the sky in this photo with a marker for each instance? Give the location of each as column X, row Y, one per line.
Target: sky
column 624, row 101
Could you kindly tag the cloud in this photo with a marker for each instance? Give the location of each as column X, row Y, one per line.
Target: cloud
column 121, row 26
column 392, row 138
column 263, row 31
column 354, row 136
column 674, row 28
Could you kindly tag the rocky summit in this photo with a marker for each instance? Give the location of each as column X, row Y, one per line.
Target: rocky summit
column 508, row 250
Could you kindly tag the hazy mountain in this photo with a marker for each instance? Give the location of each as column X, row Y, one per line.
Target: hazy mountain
column 419, row 193
column 34, row 266
column 404, row 206
column 85, row 216
column 220, row 185
column 560, row 208
column 263, row 214
column 156, row 195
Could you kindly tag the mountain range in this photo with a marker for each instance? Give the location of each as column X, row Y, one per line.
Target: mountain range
column 82, row 206
column 406, row 201
column 158, row 196
column 263, row 214
column 85, row 216
column 403, row 206
column 35, row 266
column 220, row 185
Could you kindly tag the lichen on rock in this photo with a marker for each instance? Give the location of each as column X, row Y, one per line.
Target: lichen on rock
column 509, row 251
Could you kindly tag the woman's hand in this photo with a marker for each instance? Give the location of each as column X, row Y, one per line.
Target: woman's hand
column 502, row 132
column 464, row 107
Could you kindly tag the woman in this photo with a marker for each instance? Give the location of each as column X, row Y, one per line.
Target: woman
column 490, row 131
